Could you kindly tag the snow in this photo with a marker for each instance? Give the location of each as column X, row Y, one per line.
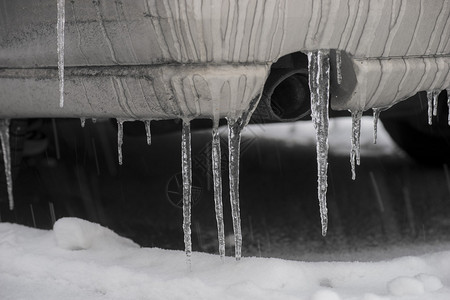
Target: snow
column 430, row 283
column 41, row 264
column 404, row 285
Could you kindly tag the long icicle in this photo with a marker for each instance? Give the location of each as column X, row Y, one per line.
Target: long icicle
column 120, row 138
column 448, row 104
column 186, row 167
column 234, row 144
column 356, row 145
column 4, row 136
column 148, row 131
column 61, row 15
column 376, row 118
column 319, row 84
column 217, row 179
column 430, row 107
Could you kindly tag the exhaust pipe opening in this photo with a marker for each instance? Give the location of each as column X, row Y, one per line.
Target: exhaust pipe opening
column 286, row 96
column 290, row 98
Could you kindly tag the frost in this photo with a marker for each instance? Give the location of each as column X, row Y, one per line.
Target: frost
column 356, row 135
column 4, row 136
column 148, row 132
column 186, row 167
column 217, row 179
column 60, row 32
column 319, row 85
column 120, row 138
column 234, row 140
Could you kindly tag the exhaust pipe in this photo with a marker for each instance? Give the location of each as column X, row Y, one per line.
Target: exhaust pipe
column 285, row 98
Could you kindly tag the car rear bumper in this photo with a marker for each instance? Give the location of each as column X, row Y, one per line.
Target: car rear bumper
column 391, row 50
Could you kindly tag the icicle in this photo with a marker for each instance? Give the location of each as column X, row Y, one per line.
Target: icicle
column 435, row 102
column 217, row 179
column 430, row 107
column 448, row 104
column 376, row 117
column 120, row 138
column 4, row 136
column 234, row 144
column 60, row 32
column 94, row 120
column 319, row 85
column 186, row 167
column 356, row 134
column 339, row 66
column 83, row 122
column 148, row 132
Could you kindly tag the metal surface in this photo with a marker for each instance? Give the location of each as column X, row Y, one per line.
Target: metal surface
column 408, row 40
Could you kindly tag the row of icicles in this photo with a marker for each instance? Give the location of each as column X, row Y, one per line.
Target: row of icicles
column 319, row 84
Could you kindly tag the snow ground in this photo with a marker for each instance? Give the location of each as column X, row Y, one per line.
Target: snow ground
column 82, row 260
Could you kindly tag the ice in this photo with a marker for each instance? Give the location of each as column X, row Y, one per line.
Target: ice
column 4, row 136
column 60, row 32
column 319, row 85
column 430, row 107
column 186, row 167
column 376, row 117
column 448, row 104
column 120, row 138
column 339, row 66
column 356, row 135
column 148, row 132
column 234, row 141
column 435, row 102
column 83, row 122
column 217, row 179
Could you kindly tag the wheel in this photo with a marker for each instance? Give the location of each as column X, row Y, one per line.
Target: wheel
column 428, row 144
column 174, row 190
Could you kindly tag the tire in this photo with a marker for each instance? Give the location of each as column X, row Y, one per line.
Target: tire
column 427, row 144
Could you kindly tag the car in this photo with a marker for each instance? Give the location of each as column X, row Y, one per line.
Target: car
column 172, row 59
